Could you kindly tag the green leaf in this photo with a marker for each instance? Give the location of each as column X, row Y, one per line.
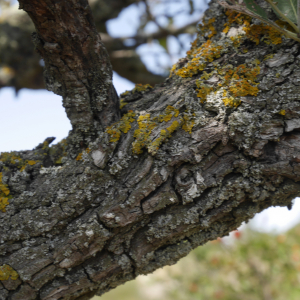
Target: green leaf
column 288, row 8
column 256, row 9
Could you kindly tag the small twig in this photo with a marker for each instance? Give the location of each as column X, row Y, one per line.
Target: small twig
column 151, row 17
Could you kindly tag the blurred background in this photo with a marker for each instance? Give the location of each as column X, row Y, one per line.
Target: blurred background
column 144, row 39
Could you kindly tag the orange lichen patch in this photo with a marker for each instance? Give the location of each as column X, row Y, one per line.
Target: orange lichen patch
column 256, row 32
column 243, row 88
column 234, row 17
column 235, row 83
column 243, row 81
column 146, row 124
column 206, row 75
column 208, row 52
column 31, row 162
column 7, row 272
column 4, row 193
column 207, row 27
column 123, row 125
column 79, row 156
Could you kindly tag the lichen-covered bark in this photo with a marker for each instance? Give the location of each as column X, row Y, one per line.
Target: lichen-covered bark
column 77, row 227
column 77, row 66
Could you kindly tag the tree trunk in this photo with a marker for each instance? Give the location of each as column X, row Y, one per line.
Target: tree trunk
column 189, row 160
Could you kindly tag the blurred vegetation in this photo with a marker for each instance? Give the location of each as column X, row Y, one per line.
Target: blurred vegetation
column 247, row 265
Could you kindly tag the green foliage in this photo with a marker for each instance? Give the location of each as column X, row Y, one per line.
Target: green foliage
column 256, row 9
column 288, row 8
column 250, row 266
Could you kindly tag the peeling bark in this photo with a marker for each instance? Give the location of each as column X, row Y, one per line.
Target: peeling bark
column 77, row 227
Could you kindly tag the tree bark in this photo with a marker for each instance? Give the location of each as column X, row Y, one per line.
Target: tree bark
column 183, row 171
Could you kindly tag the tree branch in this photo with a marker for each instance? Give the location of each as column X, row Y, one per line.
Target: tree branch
column 172, row 174
column 76, row 63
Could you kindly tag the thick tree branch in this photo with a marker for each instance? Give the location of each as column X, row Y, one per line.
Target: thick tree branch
column 76, row 63
column 82, row 226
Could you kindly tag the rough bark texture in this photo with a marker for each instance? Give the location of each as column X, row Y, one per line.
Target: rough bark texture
column 77, row 66
column 82, row 226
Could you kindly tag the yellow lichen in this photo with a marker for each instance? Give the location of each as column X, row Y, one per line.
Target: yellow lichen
column 203, row 90
column 164, row 134
column 169, row 112
column 122, row 103
column 4, row 193
column 7, row 272
column 125, row 93
column 10, row 158
column 207, row 27
column 207, row 52
column 79, row 156
column 269, row 56
column 141, row 87
column 188, row 122
column 146, row 124
column 172, row 71
column 235, row 83
column 28, row 162
column 282, row 112
column 230, row 101
column 123, row 125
